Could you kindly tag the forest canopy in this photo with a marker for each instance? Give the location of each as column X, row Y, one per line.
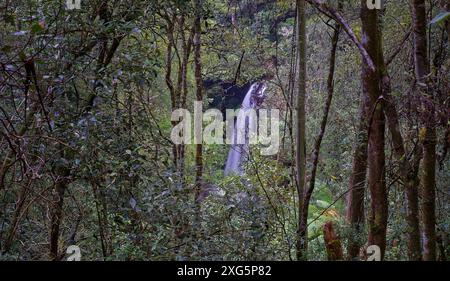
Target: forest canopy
column 225, row 130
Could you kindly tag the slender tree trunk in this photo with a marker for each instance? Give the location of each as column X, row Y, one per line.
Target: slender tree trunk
column 21, row 200
column 56, row 217
column 372, row 87
column 376, row 181
column 199, row 97
column 326, row 110
column 429, row 195
column 355, row 197
column 407, row 172
column 422, row 70
column 323, row 125
column 102, row 216
column 422, row 67
column 300, row 153
column 169, row 82
column 182, row 82
column 178, row 92
column 408, row 176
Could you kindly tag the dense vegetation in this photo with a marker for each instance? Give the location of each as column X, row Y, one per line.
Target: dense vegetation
column 86, row 157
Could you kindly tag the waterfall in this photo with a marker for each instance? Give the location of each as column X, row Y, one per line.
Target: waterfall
column 240, row 150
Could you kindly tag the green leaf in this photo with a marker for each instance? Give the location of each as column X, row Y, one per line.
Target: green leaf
column 36, row 28
column 440, row 17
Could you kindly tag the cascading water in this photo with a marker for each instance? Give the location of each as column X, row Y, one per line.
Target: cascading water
column 239, row 150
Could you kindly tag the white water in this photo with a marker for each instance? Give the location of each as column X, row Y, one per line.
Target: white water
column 238, row 152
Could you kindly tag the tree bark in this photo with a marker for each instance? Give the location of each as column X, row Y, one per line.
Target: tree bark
column 355, row 197
column 199, row 97
column 174, row 92
column 102, row 217
column 21, row 200
column 429, row 195
column 408, row 176
column 300, row 153
column 178, row 92
column 422, row 70
column 332, row 243
column 56, row 217
column 376, row 158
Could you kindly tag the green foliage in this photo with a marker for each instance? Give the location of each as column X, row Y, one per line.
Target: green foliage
column 84, row 103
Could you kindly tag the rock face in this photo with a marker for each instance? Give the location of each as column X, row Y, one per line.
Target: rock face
column 225, row 95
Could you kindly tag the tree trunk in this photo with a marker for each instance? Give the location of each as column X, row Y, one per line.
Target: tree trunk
column 57, row 214
column 428, row 195
column 173, row 89
column 178, row 92
column 408, row 176
column 323, row 125
column 376, row 158
column 300, row 153
column 332, row 243
column 102, row 216
column 182, row 84
column 422, row 69
column 355, row 197
column 21, row 200
column 199, row 97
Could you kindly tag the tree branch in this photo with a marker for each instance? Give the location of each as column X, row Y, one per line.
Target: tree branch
column 332, row 13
